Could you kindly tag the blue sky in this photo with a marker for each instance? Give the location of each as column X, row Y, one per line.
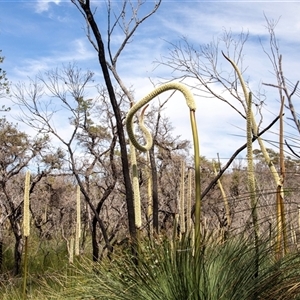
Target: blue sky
column 36, row 36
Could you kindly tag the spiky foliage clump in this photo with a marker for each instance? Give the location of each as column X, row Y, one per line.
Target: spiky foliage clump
column 172, row 270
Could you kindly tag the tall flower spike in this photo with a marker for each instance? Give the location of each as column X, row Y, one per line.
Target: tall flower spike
column 254, row 126
column 26, row 217
column 189, row 201
column 182, row 198
column 78, row 222
column 26, row 229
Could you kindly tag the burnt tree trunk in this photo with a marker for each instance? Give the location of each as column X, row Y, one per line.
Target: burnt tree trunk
column 18, row 249
column 154, row 190
column 117, row 113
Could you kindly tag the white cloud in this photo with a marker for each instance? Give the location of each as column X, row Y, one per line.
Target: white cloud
column 77, row 51
column 44, row 5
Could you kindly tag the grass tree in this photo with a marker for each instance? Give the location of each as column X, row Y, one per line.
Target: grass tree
column 171, row 271
column 192, row 106
column 26, row 229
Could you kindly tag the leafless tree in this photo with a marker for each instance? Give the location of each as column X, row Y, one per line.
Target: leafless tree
column 18, row 150
column 128, row 20
column 285, row 88
column 4, row 84
column 86, row 142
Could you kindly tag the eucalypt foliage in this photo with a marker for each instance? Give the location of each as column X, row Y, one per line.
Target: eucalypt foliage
column 149, row 141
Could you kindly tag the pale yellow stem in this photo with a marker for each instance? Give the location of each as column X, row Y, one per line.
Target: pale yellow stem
column 254, row 125
column 149, row 189
column 182, row 194
column 26, row 216
column 78, row 222
column 71, row 250
column 189, row 201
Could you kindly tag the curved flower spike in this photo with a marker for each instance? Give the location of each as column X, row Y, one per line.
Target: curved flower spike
column 142, row 124
column 192, row 106
column 277, row 179
column 148, row 137
column 241, row 79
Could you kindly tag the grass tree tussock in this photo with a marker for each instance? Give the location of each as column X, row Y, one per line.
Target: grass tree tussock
column 170, row 270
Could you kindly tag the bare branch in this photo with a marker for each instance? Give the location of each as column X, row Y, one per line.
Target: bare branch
column 129, row 32
column 235, row 154
column 203, row 67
